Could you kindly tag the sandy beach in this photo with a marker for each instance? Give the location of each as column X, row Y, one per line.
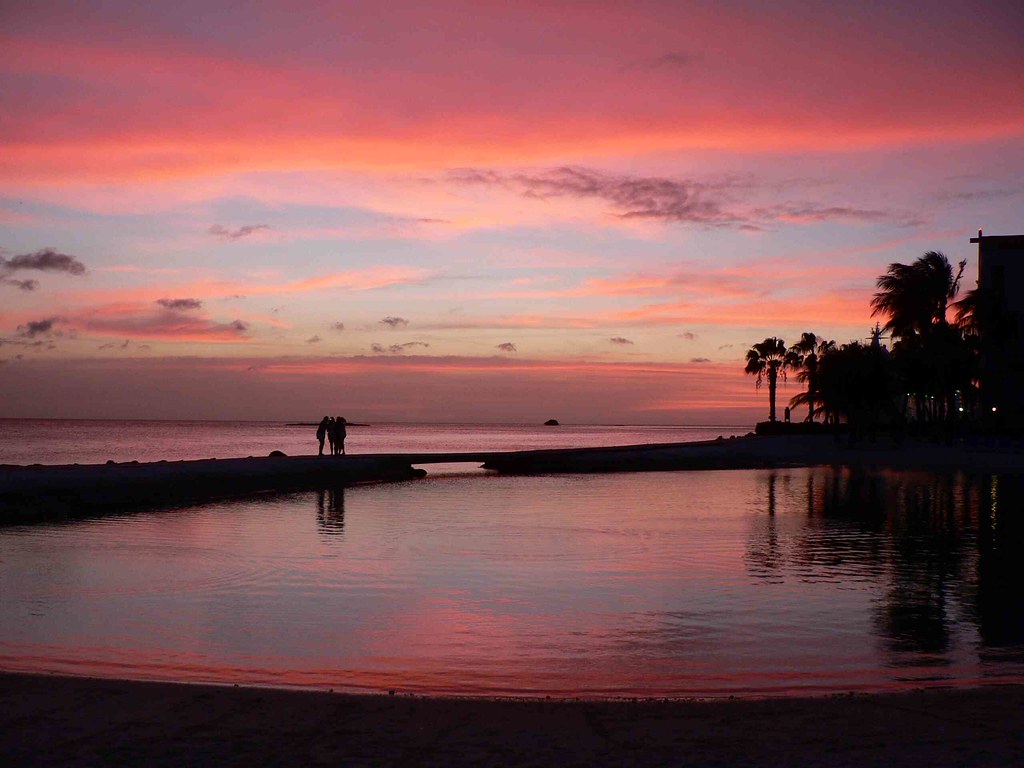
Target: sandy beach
column 49, row 720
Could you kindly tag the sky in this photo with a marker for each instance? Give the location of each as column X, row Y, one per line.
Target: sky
column 477, row 211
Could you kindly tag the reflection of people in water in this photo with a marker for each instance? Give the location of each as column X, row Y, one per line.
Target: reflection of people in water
column 330, row 510
column 321, row 432
column 339, row 435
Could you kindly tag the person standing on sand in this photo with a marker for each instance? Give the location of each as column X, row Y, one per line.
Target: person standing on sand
column 321, row 432
column 339, row 436
column 329, row 427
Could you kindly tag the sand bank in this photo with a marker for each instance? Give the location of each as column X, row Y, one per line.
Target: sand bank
column 35, row 492
column 76, row 721
column 980, row 454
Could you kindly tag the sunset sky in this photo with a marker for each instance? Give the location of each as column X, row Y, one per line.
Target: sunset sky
column 476, row 211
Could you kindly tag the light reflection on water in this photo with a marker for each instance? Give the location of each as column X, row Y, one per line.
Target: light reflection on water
column 659, row 584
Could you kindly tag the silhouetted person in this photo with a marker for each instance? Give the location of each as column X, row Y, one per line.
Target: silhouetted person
column 339, row 435
column 330, row 433
column 321, row 432
column 787, row 414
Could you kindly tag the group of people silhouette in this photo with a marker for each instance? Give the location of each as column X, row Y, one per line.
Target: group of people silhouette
column 333, row 430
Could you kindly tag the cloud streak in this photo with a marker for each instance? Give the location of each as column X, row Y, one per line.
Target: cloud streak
column 224, row 233
column 43, row 327
column 670, row 200
column 45, row 260
column 633, row 197
column 398, row 349
column 673, row 61
column 180, row 304
column 25, row 285
column 367, row 279
column 807, row 213
column 138, row 321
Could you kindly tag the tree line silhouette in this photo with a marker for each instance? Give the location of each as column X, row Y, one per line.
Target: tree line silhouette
column 930, row 376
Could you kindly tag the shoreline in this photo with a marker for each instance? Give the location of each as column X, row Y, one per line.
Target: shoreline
column 35, row 492
column 56, row 720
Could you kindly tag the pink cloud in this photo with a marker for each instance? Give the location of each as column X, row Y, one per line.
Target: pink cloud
column 761, row 278
column 138, row 321
column 391, row 94
column 366, row 279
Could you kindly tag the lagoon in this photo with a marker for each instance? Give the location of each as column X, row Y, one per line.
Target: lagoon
column 745, row 582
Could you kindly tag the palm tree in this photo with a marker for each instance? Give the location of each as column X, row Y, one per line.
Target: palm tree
column 987, row 332
column 915, row 296
column 856, row 384
column 766, row 360
column 980, row 313
column 805, row 357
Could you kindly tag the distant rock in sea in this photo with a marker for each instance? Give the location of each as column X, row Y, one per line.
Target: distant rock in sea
column 552, row 423
column 277, row 453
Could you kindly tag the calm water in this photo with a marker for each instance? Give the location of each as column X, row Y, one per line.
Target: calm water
column 680, row 583
column 51, row 441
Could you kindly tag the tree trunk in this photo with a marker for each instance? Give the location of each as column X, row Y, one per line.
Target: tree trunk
column 811, row 384
column 773, row 378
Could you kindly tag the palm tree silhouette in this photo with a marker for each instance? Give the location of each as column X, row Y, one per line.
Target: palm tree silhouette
column 856, row 383
column 767, row 360
column 929, row 352
column 805, row 357
column 915, row 296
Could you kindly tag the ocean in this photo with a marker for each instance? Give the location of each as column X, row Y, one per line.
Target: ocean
column 60, row 441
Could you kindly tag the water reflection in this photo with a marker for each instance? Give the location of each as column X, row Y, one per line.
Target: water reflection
column 764, row 558
column 330, row 511
column 946, row 550
column 676, row 583
column 1000, row 591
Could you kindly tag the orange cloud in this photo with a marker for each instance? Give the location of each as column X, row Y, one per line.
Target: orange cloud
column 831, row 308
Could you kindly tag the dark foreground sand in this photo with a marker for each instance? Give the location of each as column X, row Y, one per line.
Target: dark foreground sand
column 48, row 720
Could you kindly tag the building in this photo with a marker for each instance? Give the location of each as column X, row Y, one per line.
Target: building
column 1001, row 286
